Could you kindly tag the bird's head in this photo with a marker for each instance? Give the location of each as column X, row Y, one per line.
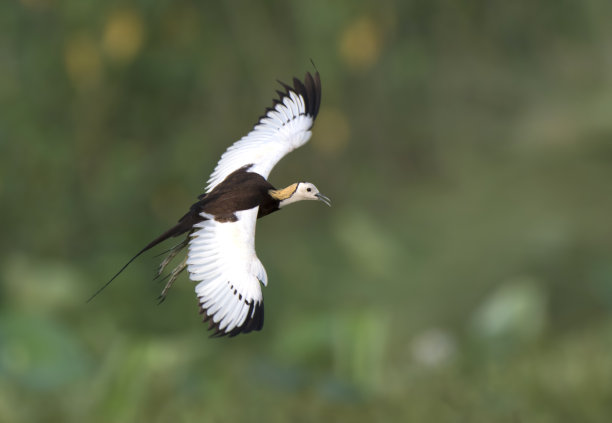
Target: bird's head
column 298, row 192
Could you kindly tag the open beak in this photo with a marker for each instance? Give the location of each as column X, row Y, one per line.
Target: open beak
column 324, row 199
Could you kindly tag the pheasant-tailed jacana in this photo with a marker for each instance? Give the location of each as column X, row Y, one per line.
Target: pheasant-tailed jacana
column 220, row 226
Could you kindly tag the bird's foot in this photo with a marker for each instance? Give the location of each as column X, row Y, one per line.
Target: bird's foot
column 173, row 276
column 171, row 254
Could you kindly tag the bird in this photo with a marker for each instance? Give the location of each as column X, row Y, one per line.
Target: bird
column 219, row 229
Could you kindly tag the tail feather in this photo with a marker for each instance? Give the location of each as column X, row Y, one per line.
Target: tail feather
column 180, row 228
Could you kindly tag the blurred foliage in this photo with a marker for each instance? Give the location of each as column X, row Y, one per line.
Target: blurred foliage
column 463, row 273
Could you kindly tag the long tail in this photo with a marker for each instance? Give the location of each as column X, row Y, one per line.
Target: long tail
column 180, row 228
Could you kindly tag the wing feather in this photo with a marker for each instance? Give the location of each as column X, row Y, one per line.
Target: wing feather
column 222, row 259
column 285, row 127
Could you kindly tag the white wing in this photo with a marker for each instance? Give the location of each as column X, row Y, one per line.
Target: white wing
column 222, row 259
column 285, row 127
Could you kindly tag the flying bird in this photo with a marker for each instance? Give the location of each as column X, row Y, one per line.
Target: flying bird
column 220, row 226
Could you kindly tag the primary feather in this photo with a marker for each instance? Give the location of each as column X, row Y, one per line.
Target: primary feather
column 285, row 127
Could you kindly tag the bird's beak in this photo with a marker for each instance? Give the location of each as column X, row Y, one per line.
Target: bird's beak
column 323, row 198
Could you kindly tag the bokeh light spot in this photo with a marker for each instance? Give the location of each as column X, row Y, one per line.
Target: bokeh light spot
column 82, row 60
column 360, row 43
column 332, row 132
column 514, row 313
column 123, row 35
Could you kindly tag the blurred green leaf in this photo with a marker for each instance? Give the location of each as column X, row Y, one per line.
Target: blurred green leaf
column 39, row 354
column 515, row 313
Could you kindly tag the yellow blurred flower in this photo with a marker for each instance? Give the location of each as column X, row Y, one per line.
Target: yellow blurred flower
column 360, row 43
column 123, row 35
column 332, row 131
column 82, row 60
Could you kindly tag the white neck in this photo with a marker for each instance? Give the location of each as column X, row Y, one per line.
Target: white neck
column 286, row 201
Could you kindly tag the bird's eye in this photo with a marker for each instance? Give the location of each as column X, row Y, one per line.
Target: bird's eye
column 308, row 189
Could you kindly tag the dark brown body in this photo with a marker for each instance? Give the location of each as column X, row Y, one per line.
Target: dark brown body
column 241, row 190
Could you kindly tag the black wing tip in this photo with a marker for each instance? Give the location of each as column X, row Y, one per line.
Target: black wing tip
column 309, row 89
column 312, row 92
column 254, row 322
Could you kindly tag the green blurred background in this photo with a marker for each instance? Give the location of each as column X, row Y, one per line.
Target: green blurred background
column 464, row 272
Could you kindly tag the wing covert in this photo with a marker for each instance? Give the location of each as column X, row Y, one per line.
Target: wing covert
column 284, row 127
